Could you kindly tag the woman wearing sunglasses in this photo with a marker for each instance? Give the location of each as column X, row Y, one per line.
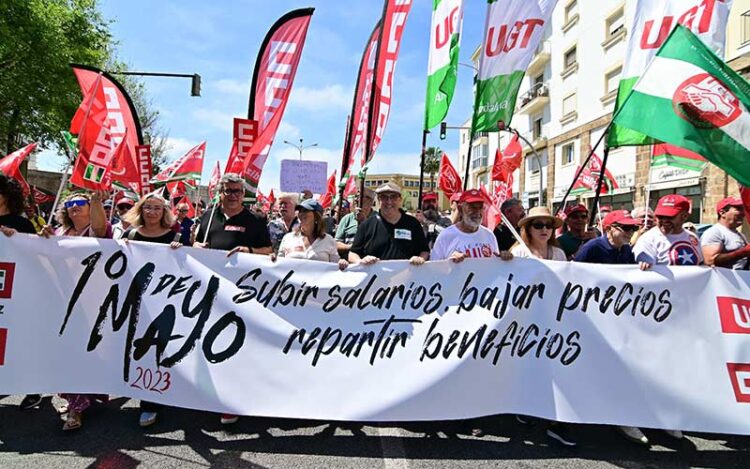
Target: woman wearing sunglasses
column 538, row 232
column 82, row 214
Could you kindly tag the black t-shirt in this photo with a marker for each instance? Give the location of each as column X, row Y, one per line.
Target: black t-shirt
column 505, row 239
column 243, row 229
column 18, row 223
column 376, row 237
column 166, row 238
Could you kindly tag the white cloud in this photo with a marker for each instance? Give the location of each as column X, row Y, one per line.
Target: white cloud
column 217, row 119
column 328, row 98
column 178, row 147
column 287, row 131
column 232, row 87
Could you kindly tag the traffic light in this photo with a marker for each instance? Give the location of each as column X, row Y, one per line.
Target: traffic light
column 443, row 128
column 195, row 88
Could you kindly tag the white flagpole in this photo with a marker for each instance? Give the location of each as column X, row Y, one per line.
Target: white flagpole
column 648, row 187
column 210, row 220
column 514, row 232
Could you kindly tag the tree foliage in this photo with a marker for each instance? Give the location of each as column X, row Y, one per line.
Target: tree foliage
column 432, row 162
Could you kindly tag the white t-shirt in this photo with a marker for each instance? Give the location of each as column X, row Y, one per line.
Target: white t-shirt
column 729, row 240
column 481, row 243
column 293, row 246
column 675, row 249
column 557, row 254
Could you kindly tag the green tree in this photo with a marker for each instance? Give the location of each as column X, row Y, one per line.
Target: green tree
column 38, row 40
column 432, row 163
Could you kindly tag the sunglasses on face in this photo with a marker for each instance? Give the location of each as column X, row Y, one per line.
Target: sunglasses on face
column 76, row 203
column 233, row 191
column 183, row 210
column 124, row 207
column 541, row 226
column 625, row 228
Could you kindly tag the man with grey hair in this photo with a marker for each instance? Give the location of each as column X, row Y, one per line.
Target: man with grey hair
column 514, row 212
column 287, row 220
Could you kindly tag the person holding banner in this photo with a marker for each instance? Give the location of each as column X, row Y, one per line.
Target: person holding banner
column 287, row 221
column 184, row 223
column 723, row 244
column 311, row 241
column 538, row 234
column 122, row 206
column 391, row 234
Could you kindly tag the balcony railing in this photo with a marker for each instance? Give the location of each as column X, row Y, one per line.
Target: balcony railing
column 542, row 56
column 534, row 99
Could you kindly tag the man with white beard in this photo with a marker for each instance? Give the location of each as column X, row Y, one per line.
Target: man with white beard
column 467, row 238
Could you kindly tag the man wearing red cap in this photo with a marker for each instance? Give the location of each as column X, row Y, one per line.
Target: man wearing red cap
column 576, row 232
column 432, row 223
column 723, row 245
column 613, row 246
column 668, row 243
column 467, row 237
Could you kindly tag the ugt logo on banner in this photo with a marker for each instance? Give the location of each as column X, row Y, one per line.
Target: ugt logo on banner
column 7, row 271
column 734, row 314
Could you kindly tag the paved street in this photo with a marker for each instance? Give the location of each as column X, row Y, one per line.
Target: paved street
column 111, row 438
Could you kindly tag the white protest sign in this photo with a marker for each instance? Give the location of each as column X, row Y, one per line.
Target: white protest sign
column 193, row 328
column 302, row 175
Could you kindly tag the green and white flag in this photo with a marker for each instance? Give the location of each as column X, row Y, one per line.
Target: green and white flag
column 512, row 32
column 690, row 98
column 652, row 23
column 445, row 38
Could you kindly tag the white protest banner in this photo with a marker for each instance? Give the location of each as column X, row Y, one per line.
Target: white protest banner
column 512, row 32
column 652, row 23
column 302, row 175
column 194, row 328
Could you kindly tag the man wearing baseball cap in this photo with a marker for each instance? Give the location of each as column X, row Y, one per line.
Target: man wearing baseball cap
column 613, row 246
column 668, row 243
column 390, row 234
column 723, row 245
column 467, row 237
column 575, row 231
column 432, row 222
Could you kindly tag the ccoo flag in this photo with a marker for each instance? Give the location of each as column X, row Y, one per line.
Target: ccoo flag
column 652, row 23
column 445, row 38
column 512, row 32
column 690, row 98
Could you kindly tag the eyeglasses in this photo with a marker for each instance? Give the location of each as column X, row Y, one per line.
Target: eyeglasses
column 183, row 210
column 541, row 226
column 76, row 203
column 124, row 207
column 389, row 196
column 233, row 191
column 578, row 216
column 625, row 228
column 152, row 208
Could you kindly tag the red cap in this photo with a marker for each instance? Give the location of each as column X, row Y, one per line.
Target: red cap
column 125, row 200
column 671, row 205
column 575, row 208
column 429, row 196
column 621, row 217
column 456, row 197
column 728, row 202
column 470, row 196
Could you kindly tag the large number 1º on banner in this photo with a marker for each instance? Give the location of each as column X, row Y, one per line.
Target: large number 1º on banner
column 189, row 327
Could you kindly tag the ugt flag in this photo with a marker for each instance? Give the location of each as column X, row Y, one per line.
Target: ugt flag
column 449, row 181
column 653, row 21
column 442, row 66
column 690, row 98
column 512, row 32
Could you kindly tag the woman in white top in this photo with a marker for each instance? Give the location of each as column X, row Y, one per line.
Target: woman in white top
column 538, row 232
column 310, row 241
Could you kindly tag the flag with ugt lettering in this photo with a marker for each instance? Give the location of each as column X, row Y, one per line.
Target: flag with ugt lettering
column 442, row 66
column 690, row 98
column 507, row 161
column 449, row 180
column 652, row 23
column 512, row 32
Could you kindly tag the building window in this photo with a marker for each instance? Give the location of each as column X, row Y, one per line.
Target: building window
column 536, row 128
column 612, row 80
column 745, row 27
column 479, row 156
column 570, row 59
column 569, row 104
column 571, row 12
column 568, row 153
column 616, row 23
column 538, row 81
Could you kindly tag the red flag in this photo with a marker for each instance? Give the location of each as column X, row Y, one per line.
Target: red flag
column 185, row 200
column 244, row 135
column 508, row 161
column 449, row 181
column 145, row 167
column 121, row 117
column 93, row 170
column 176, row 189
column 214, row 182
column 745, row 194
column 41, row 197
column 11, row 166
column 273, row 78
column 504, row 191
column 586, row 181
column 609, row 180
column 187, row 168
column 327, row 199
column 395, row 13
column 271, row 198
column 491, row 216
column 351, row 186
column 360, row 117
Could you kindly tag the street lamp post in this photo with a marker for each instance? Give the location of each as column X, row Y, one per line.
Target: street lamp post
column 300, row 147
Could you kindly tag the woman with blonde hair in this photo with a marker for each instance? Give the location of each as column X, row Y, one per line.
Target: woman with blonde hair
column 538, row 234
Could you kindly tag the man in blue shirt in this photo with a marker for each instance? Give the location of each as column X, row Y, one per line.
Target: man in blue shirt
column 613, row 246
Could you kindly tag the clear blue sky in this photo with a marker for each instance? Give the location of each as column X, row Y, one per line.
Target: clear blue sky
column 220, row 41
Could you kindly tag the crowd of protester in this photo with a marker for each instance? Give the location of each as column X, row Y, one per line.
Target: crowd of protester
column 299, row 227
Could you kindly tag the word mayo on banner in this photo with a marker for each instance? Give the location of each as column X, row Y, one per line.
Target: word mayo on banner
column 512, row 32
column 192, row 328
column 653, row 21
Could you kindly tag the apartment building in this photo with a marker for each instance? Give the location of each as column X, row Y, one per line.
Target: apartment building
column 566, row 102
column 409, row 185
